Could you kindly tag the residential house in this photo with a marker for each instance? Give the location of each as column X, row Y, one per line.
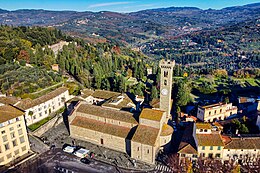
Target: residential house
column 39, row 108
column 219, row 111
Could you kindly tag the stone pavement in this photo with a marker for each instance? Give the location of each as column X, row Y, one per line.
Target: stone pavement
column 59, row 136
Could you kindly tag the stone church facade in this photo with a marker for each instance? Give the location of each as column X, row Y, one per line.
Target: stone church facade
column 140, row 137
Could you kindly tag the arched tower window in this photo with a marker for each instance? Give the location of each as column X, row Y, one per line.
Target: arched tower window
column 165, row 73
column 165, row 82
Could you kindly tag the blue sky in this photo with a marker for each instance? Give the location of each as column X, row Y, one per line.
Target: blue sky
column 117, row 5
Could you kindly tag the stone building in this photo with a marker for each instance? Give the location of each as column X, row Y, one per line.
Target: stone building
column 39, row 108
column 14, row 141
column 219, row 111
column 107, row 125
column 120, row 131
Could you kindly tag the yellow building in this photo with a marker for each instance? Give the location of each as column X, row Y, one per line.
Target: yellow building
column 219, row 111
column 120, row 131
column 210, row 143
column 13, row 135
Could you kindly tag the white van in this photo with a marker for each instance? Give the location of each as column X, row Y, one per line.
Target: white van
column 69, row 149
column 81, row 153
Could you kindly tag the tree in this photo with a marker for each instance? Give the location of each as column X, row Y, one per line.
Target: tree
column 182, row 93
column 154, row 94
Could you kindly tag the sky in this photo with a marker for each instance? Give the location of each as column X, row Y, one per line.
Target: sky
column 117, row 5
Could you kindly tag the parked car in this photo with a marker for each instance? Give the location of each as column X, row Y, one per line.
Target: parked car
column 85, row 160
column 69, row 149
column 81, row 153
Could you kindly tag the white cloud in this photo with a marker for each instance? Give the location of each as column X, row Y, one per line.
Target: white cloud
column 109, row 4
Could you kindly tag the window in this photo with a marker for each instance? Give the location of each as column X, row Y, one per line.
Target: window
column 45, row 112
column 138, row 148
column 165, row 82
column 20, row 131
column 219, row 147
column 8, row 156
column 39, row 109
column 19, row 125
column 17, row 119
column 203, row 147
column 40, row 114
column 211, row 148
column 182, row 155
column 3, row 132
column 14, row 143
column 209, row 112
column 201, row 130
column 148, row 151
column 220, row 110
column 227, row 155
column 4, row 138
column 215, row 112
column 165, row 73
column 24, row 148
column 34, row 117
column 22, row 140
column 7, row 147
column 16, row 152
column 217, row 155
column 12, row 135
column 205, row 130
column 242, row 150
column 194, row 155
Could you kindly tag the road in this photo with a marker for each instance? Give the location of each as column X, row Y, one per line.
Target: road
column 56, row 160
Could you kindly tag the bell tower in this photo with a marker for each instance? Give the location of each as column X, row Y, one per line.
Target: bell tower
column 166, row 67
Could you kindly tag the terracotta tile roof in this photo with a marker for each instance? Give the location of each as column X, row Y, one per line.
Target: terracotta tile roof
column 203, row 126
column 145, row 135
column 28, row 103
column 209, row 140
column 151, row 114
column 155, row 103
column 126, row 102
column 106, row 113
column 100, row 126
column 8, row 100
column 166, row 130
column 186, row 148
column 86, row 92
column 9, row 112
column 244, row 143
column 213, row 105
column 226, row 139
column 188, row 139
column 103, row 94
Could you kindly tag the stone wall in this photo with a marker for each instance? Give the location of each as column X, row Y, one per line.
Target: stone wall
column 98, row 138
column 47, row 126
column 142, row 152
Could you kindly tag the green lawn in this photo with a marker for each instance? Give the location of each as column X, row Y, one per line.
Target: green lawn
column 35, row 126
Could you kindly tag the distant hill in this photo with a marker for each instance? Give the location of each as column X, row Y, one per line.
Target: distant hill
column 133, row 28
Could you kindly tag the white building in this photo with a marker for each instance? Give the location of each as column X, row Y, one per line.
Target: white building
column 219, row 111
column 40, row 108
column 242, row 148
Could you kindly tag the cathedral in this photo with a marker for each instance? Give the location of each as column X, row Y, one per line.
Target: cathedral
column 141, row 138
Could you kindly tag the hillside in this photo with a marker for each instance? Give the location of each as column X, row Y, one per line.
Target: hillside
column 136, row 27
